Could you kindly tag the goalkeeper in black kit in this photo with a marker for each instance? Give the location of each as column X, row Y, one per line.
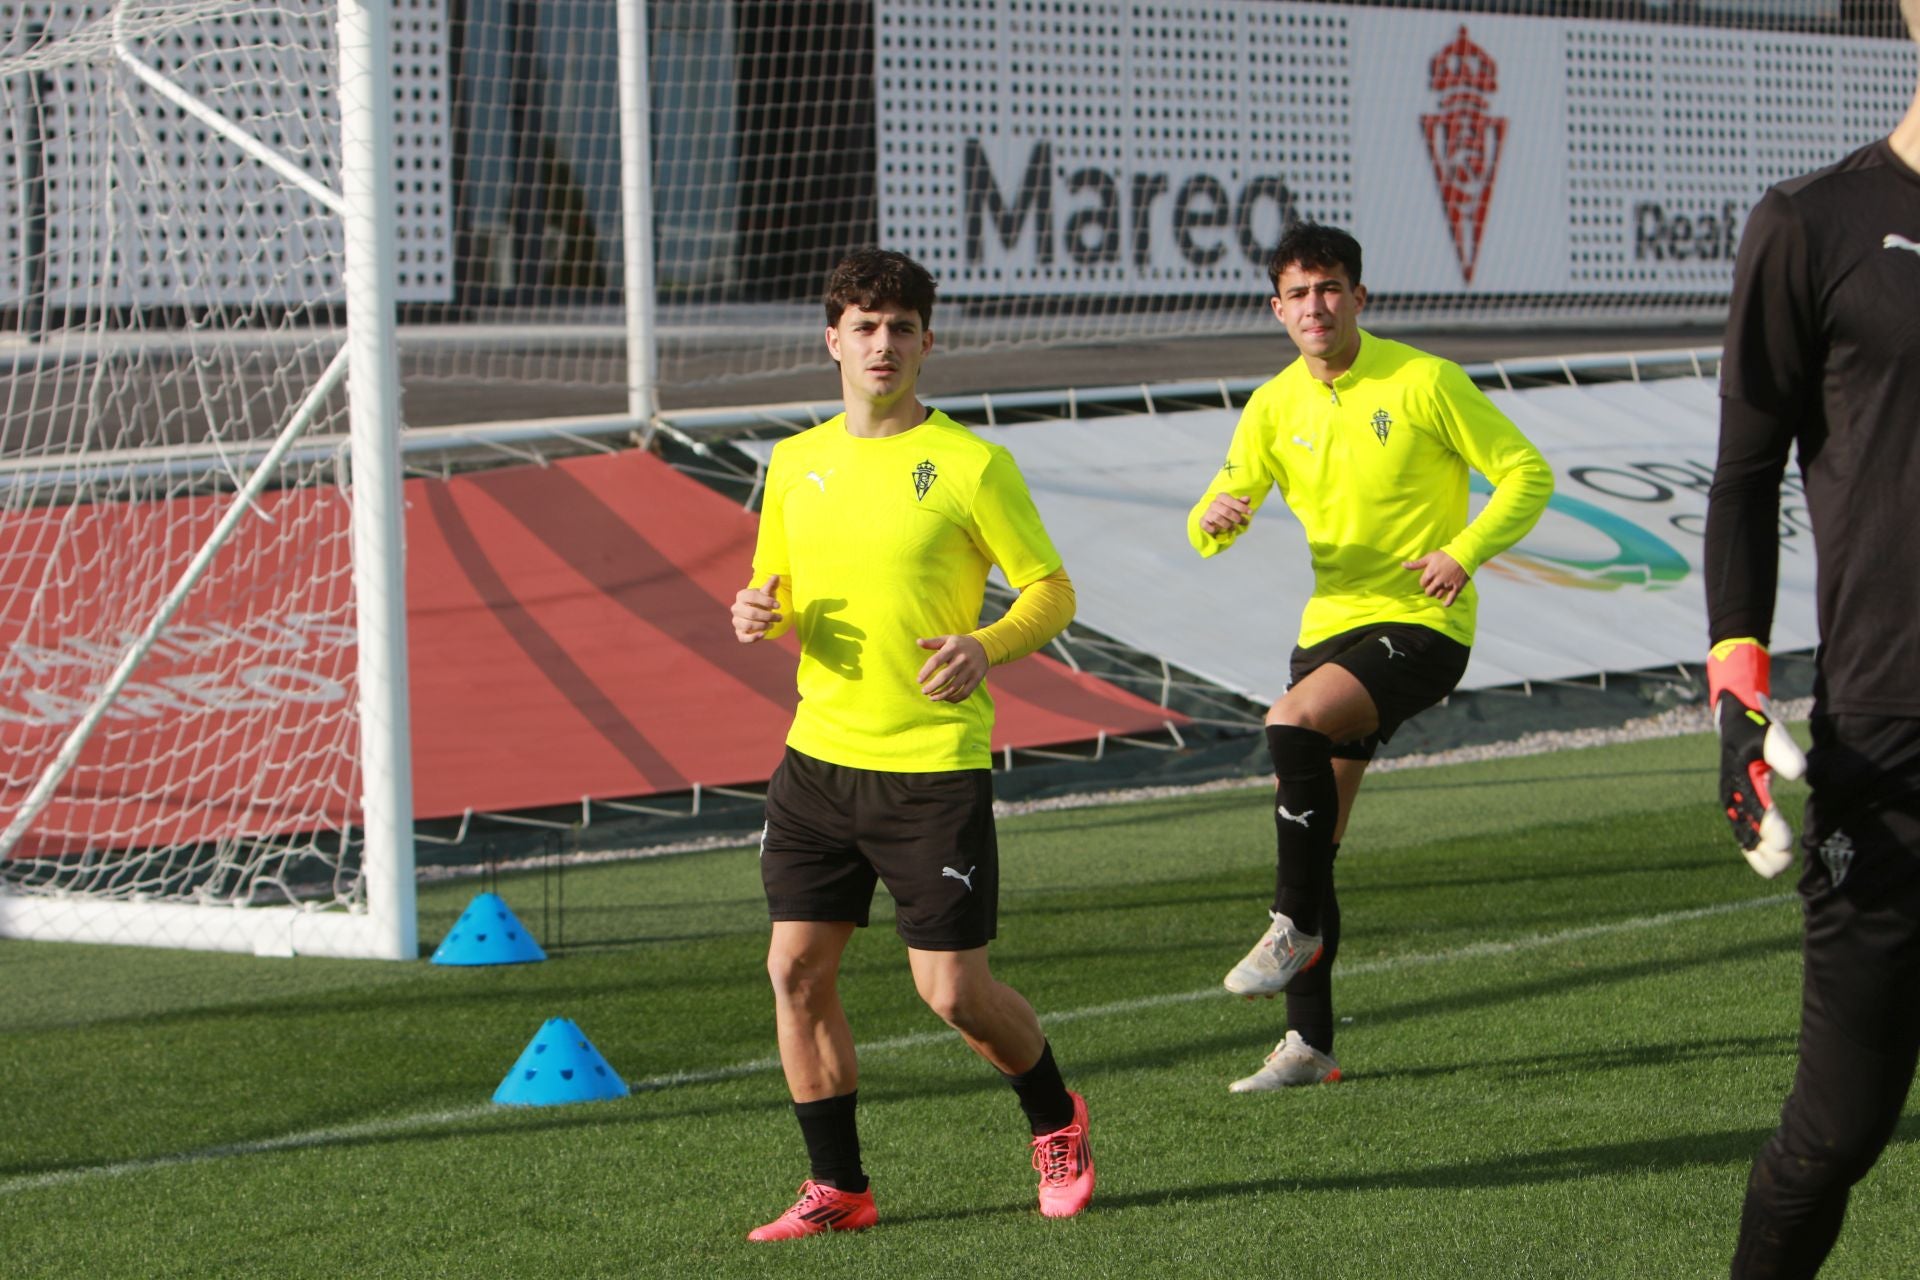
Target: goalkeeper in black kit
column 1823, row 357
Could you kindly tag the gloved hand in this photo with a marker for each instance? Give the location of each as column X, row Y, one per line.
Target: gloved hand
column 1753, row 747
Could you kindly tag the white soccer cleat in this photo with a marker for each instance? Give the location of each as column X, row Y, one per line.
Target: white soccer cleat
column 1281, row 952
column 1292, row 1062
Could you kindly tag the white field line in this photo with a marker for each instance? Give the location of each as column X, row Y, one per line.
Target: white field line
column 390, row 1126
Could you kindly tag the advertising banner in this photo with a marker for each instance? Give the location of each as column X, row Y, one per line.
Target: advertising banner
column 1081, row 147
column 567, row 635
column 1609, row 580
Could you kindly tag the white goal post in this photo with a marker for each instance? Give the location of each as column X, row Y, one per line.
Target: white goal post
column 234, row 232
column 205, row 725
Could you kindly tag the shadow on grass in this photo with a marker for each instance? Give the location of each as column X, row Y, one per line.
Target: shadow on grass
column 640, row 1111
column 482, row 1122
column 1575, row 979
column 1727, row 1147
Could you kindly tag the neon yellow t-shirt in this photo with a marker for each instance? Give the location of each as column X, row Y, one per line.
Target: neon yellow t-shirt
column 883, row 542
column 1376, row 470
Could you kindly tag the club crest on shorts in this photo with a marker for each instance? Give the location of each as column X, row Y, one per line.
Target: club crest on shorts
column 1837, row 853
column 1382, row 423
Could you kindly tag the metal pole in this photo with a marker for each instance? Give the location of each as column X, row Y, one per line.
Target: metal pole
column 373, row 400
column 636, row 212
column 33, row 191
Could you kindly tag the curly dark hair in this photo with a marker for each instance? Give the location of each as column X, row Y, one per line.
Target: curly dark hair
column 873, row 278
column 1315, row 245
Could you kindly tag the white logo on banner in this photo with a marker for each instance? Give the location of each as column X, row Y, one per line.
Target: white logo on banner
column 82, row 664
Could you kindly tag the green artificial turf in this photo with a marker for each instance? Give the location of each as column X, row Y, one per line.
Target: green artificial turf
column 1569, row 1013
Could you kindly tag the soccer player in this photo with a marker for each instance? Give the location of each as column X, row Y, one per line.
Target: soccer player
column 1369, row 441
column 876, row 535
column 1823, row 353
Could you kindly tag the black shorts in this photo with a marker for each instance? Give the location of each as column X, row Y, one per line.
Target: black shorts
column 832, row 831
column 1404, row 667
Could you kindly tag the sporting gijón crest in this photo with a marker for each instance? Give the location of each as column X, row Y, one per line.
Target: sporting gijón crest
column 1382, row 423
column 1464, row 139
column 923, row 477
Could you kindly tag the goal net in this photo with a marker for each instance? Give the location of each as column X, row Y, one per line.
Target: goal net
column 582, row 214
column 1109, row 172
column 188, row 744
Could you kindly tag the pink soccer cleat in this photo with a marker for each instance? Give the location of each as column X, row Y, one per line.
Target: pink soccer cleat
column 1065, row 1161
column 821, row 1208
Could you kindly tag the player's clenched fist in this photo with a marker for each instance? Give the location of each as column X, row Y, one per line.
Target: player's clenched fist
column 756, row 610
column 1753, row 747
column 1225, row 512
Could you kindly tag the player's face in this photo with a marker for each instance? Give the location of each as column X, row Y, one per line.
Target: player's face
column 880, row 352
column 1321, row 310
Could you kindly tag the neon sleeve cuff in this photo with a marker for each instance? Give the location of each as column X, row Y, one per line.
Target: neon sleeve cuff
column 1040, row 612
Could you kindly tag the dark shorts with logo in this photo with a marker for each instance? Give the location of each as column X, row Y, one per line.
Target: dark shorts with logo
column 833, row 831
column 1404, row 667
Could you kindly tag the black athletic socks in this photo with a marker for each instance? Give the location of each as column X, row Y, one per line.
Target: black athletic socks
column 1310, row 994
column 1043, row 1094
column 833, row 1141
column 1307, row 808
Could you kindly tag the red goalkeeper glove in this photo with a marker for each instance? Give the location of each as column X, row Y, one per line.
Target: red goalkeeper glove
column 1753, row 747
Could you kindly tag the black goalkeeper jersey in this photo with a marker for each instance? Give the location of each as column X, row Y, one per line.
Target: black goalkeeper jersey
column 1823, row 352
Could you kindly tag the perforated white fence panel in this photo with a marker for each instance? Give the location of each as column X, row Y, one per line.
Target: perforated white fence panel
column 1101, row 147
column 1154, row 147
column 111, row 142
column 11, row 223
column 1674, row 132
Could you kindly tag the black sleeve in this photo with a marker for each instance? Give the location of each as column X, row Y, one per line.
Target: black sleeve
column 1770, row 375
column 1743, row 522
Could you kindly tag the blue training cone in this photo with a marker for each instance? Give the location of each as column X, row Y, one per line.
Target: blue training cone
column 488, row 932
column 559, row 1065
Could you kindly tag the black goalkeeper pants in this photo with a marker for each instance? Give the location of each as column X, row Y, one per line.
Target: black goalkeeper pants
column 1860, row 996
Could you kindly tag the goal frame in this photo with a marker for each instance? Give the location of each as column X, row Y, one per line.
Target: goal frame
column 386, row 927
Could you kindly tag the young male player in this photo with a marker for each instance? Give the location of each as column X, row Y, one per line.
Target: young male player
column 876, row 534
column 1823, row 352
column 1369, row 442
